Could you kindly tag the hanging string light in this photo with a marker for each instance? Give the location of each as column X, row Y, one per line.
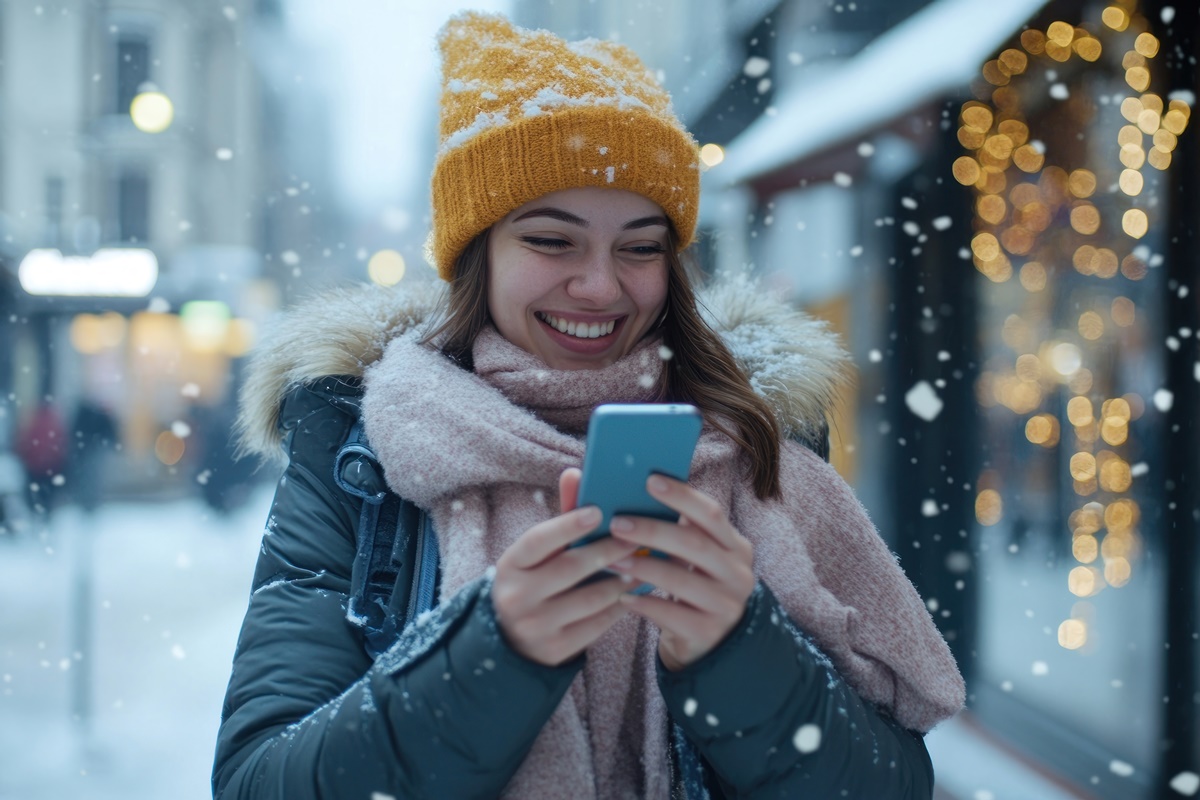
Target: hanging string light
column 1040, row 217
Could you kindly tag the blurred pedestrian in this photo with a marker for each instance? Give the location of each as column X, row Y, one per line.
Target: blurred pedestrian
column 784, row 653
column 41, row 445
column 94, row 437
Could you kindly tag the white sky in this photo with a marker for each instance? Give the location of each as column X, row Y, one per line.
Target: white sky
column 383, row 77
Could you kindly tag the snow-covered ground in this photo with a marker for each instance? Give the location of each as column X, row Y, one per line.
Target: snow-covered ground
column 169, row 587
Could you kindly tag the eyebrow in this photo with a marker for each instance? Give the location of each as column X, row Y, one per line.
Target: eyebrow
column 571, row 219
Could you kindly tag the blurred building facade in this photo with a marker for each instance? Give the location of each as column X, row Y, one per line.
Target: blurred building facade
column 993, row 204
column 147, row 131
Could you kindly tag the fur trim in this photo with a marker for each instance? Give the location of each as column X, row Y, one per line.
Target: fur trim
column 793, row 360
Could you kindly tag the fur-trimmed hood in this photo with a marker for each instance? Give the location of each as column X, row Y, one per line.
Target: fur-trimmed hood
column 793, row 360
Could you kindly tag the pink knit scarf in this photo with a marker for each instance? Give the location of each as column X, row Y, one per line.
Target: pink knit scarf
column 482, row 453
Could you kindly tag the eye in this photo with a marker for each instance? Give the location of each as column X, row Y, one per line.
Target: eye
column 646, row 250
column 552, row 244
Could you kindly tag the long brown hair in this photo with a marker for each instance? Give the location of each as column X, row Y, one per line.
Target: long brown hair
column 700, row 371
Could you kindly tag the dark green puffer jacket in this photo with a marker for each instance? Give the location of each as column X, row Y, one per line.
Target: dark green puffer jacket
column 450, row 710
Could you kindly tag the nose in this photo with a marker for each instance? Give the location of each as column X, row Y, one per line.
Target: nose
column 596, row 281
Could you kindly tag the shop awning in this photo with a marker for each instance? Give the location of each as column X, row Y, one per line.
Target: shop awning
column 939, row 49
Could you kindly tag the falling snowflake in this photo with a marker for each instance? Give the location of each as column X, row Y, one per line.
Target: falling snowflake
column 1163, row 400
column 923, row 401
column 1117, row 767
column 1186, row 783
column 756, row 67
column 807, row 738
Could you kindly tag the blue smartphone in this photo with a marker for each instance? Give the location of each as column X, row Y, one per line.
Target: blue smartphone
column 626, row 444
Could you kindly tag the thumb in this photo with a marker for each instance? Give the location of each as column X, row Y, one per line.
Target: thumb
column 568, row 489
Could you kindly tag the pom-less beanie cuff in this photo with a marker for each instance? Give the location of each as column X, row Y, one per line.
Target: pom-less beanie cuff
column 525, row 113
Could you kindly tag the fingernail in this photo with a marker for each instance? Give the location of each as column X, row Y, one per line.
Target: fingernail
column 624, row 563
column 590, row 516
column 658, row 483
column 621, row 524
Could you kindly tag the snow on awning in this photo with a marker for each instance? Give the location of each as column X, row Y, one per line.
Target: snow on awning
column 940, row 48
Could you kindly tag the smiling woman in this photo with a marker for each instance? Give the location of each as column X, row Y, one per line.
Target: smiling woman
column 783, row 653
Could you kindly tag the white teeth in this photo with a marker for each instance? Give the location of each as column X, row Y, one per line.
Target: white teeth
column 581, row 330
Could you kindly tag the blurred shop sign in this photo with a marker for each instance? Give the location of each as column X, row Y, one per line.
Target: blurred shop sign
column 109, row 272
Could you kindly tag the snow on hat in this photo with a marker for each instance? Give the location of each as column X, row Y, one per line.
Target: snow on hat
column 525, row 113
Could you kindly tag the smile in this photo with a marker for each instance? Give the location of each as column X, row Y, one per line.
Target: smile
column 580, row 330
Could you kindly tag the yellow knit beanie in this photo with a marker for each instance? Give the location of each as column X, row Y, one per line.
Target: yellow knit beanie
column 525, row 113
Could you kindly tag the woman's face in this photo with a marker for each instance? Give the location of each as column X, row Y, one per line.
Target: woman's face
column 577, row 277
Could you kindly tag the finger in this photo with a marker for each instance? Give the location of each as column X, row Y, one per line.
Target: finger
column 685, row 544
column 670, row 617
column 693, row 588
column 568, row 489
column 583, row 633
column 548, row 538
column 567, row 569
column 701, row 510
column 581, row 602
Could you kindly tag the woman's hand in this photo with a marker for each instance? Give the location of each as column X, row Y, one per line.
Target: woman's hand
column 545, row 614
column 709, row 575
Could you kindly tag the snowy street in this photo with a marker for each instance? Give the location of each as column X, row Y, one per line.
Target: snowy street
column 169, row 590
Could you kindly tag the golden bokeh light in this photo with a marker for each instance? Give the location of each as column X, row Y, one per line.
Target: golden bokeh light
column 1082, row 183
column 1014, row 129
column 1034, row 41
column 1081, row 381
column 152, row 112
column 1085, row 548
column 1131, row 59
column 1114, row 431
column 1013, row 62
column 1138, row 78
column 1121, row 515
column 1028, row 159
column 971, row 139
column 1072, row 634
column 966, row 170
column 1124, row 312
column 1033, row 276
column 1146, row 44
column 1131, row 108
column 1061, row 33
column 1131, row 182
column 1028, row 367
column 1175, row 120
column 1115, row 475
column 1017, row 240
column 992, row 180
column 1148, row 121
column 1158, row 157
column 1130, row 134
column 1133, row 267
column 1089, row 48
column 989, row 509
column 1152, row 102
column 977, row 118
column 985, row 246
column 1165, row 139
column 1043, row 430
column 1079, row 411
column 1084, row 581
column 1084, row 259
column 1133, row 156
column 1091, row 325
column 1083, row 466
column 712, row 154
column 999, row 146
column 994, row 74
column 1117, row 572
column 1105, row 263
column 1116, row 18
column 1135, row 223
column 1085, row 219
column 991, row 208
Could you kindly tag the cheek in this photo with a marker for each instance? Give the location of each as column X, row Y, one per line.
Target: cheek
column 649, row 290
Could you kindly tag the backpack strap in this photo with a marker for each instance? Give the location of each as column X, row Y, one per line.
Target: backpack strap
column 395, row 570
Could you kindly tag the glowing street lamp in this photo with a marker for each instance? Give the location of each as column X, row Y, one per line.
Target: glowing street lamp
column 151, row 110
